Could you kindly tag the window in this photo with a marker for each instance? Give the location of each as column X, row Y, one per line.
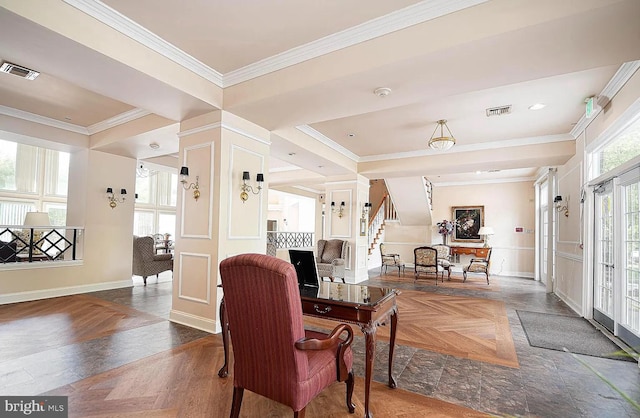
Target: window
column 155, row 210
column 618, row 151
column 32, row 179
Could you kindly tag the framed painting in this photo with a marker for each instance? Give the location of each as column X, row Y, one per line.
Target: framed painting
column 468, row 221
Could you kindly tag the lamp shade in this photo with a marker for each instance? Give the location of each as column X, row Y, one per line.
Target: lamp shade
column 260, row 178
column 123, row 191
column 37, row 219
column 184, row 171
column 245, row 175
column 486, row 230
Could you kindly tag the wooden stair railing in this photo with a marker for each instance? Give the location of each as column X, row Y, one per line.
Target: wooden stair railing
column 384, row 211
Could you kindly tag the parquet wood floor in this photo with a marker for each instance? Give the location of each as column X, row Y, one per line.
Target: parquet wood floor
column 183, row 383
column 51, row 323
column 471, row 328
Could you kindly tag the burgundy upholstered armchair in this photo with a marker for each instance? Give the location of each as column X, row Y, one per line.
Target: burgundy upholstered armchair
column 273, row 354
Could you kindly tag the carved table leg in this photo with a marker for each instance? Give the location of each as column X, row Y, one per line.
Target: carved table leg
column 224, row 371
column 369, row 331
column 392, row 344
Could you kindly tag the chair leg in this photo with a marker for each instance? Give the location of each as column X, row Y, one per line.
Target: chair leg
column 236, row 402
column 300, row 413
column 144, row 278
column 464, row 274
column 487, row 277
column 350, row 386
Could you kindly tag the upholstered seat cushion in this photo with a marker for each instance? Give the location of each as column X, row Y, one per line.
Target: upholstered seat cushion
column 444, row 263
column 476, row 267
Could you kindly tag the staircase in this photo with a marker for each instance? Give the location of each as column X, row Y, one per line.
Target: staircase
column 385, row 211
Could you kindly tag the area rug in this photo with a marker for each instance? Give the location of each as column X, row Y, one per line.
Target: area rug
column 573, row 333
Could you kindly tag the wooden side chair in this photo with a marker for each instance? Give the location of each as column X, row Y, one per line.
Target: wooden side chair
column 392, row 260
column 426, row 262
column 273, row 354
column 444, row 257
column 478, row 265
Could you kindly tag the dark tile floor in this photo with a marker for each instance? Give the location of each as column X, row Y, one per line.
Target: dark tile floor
column 547, row 384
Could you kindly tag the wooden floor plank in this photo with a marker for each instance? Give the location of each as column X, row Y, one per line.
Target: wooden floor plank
column 183, row 383
column 473, row 328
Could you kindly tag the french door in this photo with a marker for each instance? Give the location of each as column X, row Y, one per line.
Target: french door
column 603, row 257
column 616, row 285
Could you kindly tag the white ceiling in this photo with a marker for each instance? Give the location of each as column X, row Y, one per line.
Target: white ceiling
column 306, row 70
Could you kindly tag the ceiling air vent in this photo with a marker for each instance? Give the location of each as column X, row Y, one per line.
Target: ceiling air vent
column 18, row 70
column 497, row 111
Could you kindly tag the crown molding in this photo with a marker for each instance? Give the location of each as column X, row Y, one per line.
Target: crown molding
column 138, row 33
column 489, row 181
column 120, row 119
column 547, row 139
column 619, row 79
column 43, row 120
column 400, row 19
column 308, row 130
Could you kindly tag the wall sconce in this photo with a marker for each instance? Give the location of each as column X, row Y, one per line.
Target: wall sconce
column 113, row 199
column 560, row 207
column 339, row 211
column 184, row 172
column 247, row 188
column 366, row 209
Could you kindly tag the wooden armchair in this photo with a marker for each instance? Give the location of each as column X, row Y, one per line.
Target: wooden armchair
column 273, row 354
column 444, row 257
column 478, row 265
column 145, row 260
column 330, row 258
column 426, row 261
column 390, row 260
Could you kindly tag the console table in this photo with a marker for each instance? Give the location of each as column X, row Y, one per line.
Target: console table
column 480, row 252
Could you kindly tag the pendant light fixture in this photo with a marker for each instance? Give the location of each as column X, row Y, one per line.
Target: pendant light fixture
column 441, row 143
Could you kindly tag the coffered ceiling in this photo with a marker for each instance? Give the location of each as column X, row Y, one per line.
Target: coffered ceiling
column 307, row 71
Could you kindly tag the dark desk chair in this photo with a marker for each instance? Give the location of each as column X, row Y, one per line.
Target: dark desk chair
column 273, row 354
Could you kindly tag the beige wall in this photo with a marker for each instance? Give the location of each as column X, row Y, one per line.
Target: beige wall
column 506, row 207
column 574, row 281
column 108, row 239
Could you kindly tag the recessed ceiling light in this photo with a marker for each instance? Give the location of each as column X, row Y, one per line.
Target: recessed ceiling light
column 351, row 135
column 67, row 118
column 537, row 106
column 291, row 154
column 154, row 145
column 478, row 172
column 320, row 166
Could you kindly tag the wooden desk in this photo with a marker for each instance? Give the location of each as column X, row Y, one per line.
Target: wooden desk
column 365, row 306
column 480, row 252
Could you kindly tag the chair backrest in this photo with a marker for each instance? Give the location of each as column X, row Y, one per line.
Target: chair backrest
column 425, row 257
column 383, row 250
column 331, row 249
column 444, row 251
column 264, row 312
column 143, row 249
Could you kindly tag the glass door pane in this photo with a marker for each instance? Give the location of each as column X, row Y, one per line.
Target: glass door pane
column 631, row 260
column 603, row 260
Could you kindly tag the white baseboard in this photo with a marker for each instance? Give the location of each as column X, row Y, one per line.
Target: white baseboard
column 62, row 291
column 576, row 307
column 194, row 321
